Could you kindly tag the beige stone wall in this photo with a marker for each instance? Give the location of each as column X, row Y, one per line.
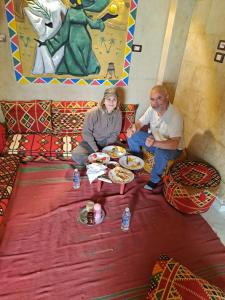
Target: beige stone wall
column 200, row 92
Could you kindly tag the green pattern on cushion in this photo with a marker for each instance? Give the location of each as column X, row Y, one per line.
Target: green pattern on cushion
column 27, row 116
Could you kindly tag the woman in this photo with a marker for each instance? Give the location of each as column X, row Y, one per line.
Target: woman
column 102, row 126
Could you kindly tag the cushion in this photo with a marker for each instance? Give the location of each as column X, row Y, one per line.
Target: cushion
column 8, row 168
column 2, row 137
column 68, row 116
column 191, row 186
column 128, row 115
column 32, row 146
column 27, row 116
column 171, row 280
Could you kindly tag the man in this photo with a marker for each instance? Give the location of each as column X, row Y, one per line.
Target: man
column 164, row 137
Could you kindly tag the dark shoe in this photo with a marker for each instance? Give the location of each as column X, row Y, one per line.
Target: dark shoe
column 150, row 186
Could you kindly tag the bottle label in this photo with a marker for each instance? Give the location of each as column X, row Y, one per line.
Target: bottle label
column 125, row 222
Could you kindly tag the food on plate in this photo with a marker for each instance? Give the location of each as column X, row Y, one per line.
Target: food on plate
column 121, row 175
column 112, row 164
column 114, row 151
column 132, row 162
column 100, row 157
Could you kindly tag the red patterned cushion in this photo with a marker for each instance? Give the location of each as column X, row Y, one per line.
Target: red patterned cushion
column 68, row 116
column 34, row 146
column 171, row 280
column 27, row 116
column 191, row 186
column 128, row 115
column 2, row 137
column 8, row 168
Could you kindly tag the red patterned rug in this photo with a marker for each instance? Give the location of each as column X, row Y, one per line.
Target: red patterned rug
column 47, row 254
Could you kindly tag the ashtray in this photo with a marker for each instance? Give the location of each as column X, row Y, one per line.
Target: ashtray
column 83, row 217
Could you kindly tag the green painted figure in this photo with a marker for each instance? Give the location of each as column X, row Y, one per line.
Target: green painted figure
column 79, row 58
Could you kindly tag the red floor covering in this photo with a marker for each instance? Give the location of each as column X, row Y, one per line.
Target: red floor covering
column 47, row 254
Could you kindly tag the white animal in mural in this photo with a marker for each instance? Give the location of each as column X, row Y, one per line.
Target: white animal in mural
column 46, row 17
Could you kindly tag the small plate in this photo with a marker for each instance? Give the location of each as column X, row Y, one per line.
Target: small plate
column 131, row 162
column 114, row 151
column 99, row 157
column 83, row 217
column 121, row 175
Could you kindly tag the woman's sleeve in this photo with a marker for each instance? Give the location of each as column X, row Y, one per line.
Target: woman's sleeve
column 88, row 127
column 116, row 128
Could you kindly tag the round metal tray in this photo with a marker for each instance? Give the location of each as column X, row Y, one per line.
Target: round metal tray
column 83, row 217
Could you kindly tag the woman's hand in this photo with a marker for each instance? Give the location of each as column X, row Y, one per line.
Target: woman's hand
column 149, row 141
column 131, row 130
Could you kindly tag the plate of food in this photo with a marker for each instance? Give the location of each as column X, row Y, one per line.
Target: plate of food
column 83, row 217
column 114, row 151
column 99, row 157
column 121, row 175
column 131, row 162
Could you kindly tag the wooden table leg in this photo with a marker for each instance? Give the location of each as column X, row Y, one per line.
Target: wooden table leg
column 99, row 185
column 122, row 187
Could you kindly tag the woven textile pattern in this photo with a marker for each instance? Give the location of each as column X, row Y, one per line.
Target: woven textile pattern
column 27, row 116
column 148, row 158
column 171, row 280
column 33, row 146
column 8, row 167
column 128, row 115
column 2, row 137
column 196, row 174
column 191, row 187
column 68, row 116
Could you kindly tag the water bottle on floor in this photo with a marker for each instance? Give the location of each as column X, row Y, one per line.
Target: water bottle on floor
column 126, row 219
column 76, row 179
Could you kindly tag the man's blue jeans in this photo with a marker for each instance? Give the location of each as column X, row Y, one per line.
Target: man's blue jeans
column 161, row 156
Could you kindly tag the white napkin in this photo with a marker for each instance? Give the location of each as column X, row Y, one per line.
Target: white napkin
column 95, row 170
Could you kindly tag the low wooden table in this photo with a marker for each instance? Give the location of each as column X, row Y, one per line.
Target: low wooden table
column 122, row 186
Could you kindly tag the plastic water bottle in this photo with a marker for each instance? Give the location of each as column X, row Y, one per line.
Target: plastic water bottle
column 76, row 179
column 126, row 219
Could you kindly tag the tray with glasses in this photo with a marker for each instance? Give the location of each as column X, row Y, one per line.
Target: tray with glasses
column 82, row 218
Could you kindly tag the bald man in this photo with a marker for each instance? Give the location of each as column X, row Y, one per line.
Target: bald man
column 165, row 135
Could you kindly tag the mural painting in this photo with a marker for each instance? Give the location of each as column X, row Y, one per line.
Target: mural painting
column 72, row 41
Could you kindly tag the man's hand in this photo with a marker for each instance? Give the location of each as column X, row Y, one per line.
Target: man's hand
column 131, row 130
column 149, row 141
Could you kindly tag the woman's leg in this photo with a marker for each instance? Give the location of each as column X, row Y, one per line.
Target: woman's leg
column 81, row 153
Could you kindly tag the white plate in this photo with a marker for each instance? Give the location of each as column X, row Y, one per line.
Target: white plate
column 114, row 151
column 121, row 175
column 83, row 217
column 99, row 157
column 131, row 162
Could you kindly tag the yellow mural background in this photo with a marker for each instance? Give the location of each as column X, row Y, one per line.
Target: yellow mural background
column 108, row 46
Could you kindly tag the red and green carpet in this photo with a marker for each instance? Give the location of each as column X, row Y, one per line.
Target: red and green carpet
column 47, row 254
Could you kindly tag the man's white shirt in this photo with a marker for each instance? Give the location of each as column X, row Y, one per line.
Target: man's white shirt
column 170, row 125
